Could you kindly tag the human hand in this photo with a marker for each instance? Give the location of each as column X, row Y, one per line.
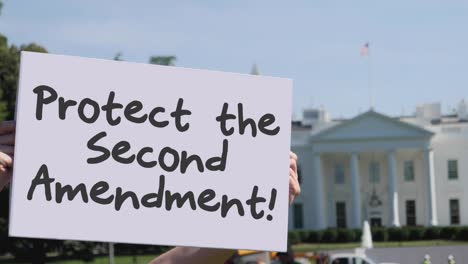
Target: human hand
column 7, row 147
column 294, row 188
column 204, row 255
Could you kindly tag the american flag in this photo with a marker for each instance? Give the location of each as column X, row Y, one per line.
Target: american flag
column 365, row 49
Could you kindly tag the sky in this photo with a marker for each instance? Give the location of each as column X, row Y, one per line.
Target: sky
column 418, row 49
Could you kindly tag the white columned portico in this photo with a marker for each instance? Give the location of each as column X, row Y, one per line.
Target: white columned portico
column 392, row 189
column 431, row 194
column 319, row 192
column 367, row 133
column 356, row 192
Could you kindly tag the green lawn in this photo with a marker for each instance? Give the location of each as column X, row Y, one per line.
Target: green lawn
column 332, row 246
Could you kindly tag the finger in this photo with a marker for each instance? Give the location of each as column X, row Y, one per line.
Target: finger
column 293, row 174
column 292, row 155
column 291, row 185
column 293, row 165
column 7, row 139
column 291, row 190
column 294, row 187
column 294, row 180
column 7, row 127
column 7, row 149
column 5, row 160
column 4, row 171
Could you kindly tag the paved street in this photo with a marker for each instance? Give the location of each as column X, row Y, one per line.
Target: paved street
column 414, row 255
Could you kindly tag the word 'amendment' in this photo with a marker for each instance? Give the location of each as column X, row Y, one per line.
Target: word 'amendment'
column 99, row 194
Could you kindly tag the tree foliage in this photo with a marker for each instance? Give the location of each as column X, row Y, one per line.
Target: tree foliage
column 9, row 71
column 163, row 60
column 158, row 60
column 118, row 56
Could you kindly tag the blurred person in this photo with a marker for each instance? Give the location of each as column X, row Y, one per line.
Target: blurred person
column 287, row 257
column 427, row 259
column 179, row 255
column 7, row 142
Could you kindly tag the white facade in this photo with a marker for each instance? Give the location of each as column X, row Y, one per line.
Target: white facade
column 390, row 171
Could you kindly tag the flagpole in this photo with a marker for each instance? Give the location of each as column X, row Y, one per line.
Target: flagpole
column 369, row 79
column 111, row 253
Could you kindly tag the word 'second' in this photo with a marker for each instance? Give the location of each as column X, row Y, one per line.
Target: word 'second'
column 169, row 159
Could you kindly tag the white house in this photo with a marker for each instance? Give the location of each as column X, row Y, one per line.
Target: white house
column 409, row 170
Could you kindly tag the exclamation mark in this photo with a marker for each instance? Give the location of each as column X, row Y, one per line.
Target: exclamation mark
column 272, row 203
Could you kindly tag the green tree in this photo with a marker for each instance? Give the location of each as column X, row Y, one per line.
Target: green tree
column 158, row 60
column 9, row 71
column 163, row 60
column 118, row 56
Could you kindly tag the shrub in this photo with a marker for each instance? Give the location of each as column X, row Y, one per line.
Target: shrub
column 432, row 232
column 380, row 234
column 398, row 234
column 20, row 248
column 315, row 236
column 357, row 235
column 293, row 237
column 449, row 232
column 462, row 235
column 329, row 236
column 393, row 234
column 345, row 235
column 404, row 236
column 415, row 233
column 304, row 235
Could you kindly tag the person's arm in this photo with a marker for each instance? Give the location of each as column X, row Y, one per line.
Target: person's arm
column 182, row 255
column 205, row 255
column 7, row 142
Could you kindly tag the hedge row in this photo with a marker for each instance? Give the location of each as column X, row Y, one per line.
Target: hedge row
column 23, row 249
column 380, row 234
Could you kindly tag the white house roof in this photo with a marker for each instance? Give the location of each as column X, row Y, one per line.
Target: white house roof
column 371, row 125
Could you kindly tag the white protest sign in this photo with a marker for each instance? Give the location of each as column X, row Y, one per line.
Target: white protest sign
column 136, row 153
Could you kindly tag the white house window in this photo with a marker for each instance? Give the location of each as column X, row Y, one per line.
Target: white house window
column 452, row 169
column 298, row 216
column 411, row 212
column 409, row 170
column 341, row 214
column 454, row 205
column 374, row 172
column 339, row 173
